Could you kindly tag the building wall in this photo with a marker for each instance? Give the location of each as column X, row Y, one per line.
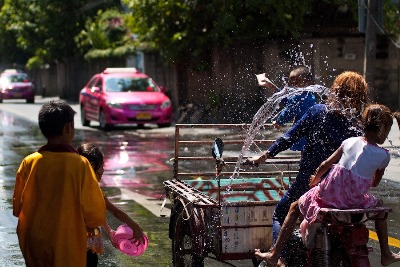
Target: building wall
column 229, row 91
column 235, row 69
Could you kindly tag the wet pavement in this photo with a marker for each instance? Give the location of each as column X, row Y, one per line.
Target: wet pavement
column 132, row 162
column 136, row 164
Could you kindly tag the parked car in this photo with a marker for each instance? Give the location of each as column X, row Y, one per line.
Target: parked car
column 121, row 96
column 15, row 84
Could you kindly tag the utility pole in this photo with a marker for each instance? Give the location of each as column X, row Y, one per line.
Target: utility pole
column 370, row 47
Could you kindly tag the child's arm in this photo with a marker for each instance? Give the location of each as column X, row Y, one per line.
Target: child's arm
column 123, row 217
column 325, row 165
column 377, row 177
column 110, row 233
column 265, row 82
column 256, row 160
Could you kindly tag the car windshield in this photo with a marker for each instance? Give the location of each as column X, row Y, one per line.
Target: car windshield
column 15, row 78
column 127, row 84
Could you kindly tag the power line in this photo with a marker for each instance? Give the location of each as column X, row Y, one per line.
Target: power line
column 382, row 31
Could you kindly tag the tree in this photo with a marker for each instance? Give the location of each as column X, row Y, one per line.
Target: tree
column 45, row 29
column 188, row 29
column 391, row 23
column 106, row 36
column 182, row 30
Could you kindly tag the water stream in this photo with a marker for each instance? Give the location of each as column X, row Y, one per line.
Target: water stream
column 268, row 111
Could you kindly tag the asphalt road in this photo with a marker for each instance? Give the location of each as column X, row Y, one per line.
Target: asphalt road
column 392, row 173
column 30, row 112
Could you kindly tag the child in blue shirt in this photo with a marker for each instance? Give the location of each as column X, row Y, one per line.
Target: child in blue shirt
column 296, row 105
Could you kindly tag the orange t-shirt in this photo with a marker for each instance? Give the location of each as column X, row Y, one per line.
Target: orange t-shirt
column 56, row 196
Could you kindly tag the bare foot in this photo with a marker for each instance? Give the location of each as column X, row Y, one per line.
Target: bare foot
column 385, row 261
column 268, row 257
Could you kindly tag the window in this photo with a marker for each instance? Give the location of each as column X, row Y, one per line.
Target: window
column 117, row 84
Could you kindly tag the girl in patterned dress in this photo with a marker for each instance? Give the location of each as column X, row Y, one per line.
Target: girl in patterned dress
column 95, row 241
column 357, row 165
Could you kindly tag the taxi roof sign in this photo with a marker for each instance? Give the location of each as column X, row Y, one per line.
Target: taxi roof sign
column 120, row 70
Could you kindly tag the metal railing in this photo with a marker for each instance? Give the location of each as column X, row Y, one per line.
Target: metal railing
column 200, row 136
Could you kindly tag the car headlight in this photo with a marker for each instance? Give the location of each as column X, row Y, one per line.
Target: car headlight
column 166, row 104
column 114, row 105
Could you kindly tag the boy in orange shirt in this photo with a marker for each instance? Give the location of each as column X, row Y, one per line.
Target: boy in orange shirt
column 56, row 195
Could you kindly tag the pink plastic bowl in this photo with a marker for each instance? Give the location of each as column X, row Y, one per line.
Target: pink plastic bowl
column 122, row 232
column 123, row 237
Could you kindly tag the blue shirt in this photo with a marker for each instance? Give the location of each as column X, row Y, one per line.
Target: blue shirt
column 324, row 132
column 295, row 108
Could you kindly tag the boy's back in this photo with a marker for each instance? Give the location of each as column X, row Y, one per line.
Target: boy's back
column 56, row 196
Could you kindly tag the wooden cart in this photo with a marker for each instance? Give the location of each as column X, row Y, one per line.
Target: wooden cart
column 212, row 214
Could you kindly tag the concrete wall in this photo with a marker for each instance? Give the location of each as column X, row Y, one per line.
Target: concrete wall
column 229, row 91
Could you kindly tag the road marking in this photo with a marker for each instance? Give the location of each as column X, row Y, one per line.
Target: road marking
column 392, row 241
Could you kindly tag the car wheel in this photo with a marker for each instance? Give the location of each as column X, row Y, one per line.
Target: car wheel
column 30, row 100
column 85, row 122
column 1, row 100
column 162, row 125
column 102, row 121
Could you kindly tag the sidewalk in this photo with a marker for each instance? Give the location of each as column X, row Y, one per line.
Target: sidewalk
column 393, row 170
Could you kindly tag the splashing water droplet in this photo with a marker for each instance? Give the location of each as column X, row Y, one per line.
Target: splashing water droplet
column 393, row 146
column 267, row 111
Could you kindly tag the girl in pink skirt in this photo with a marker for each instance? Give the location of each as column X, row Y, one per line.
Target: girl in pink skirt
column 354, row 167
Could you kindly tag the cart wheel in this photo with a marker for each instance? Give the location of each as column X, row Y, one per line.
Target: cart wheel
column 182, row 246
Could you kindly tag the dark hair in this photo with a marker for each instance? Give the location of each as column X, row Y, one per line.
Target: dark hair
column 303, row 72
column 376, row 117
column 53, row 116
column 93, row 154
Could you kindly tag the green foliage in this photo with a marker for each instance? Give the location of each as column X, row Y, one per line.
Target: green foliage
column 45, row 25
column 189, row 29
column 106, row 36
column 120, row 52
column 182, row 30
column 42, row 24
column 34, row 62
column 391, row 19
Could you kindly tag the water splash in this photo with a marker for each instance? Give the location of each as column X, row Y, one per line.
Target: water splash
column 394, row 147
column 267, row 111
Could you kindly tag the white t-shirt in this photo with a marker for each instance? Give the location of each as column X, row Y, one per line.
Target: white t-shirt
column 362, row 158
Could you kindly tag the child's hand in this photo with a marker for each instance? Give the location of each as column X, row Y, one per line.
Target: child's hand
column 276, row 125
column 256, row 160
column 251, row 162
column 138, row 233
column 111, row 234
column 314, row 181
column 267, row 83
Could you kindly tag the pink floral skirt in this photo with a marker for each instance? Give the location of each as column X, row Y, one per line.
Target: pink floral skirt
column 340, row 189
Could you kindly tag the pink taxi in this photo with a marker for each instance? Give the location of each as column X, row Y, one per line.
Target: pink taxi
column 122, row 96
column 15, row 84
